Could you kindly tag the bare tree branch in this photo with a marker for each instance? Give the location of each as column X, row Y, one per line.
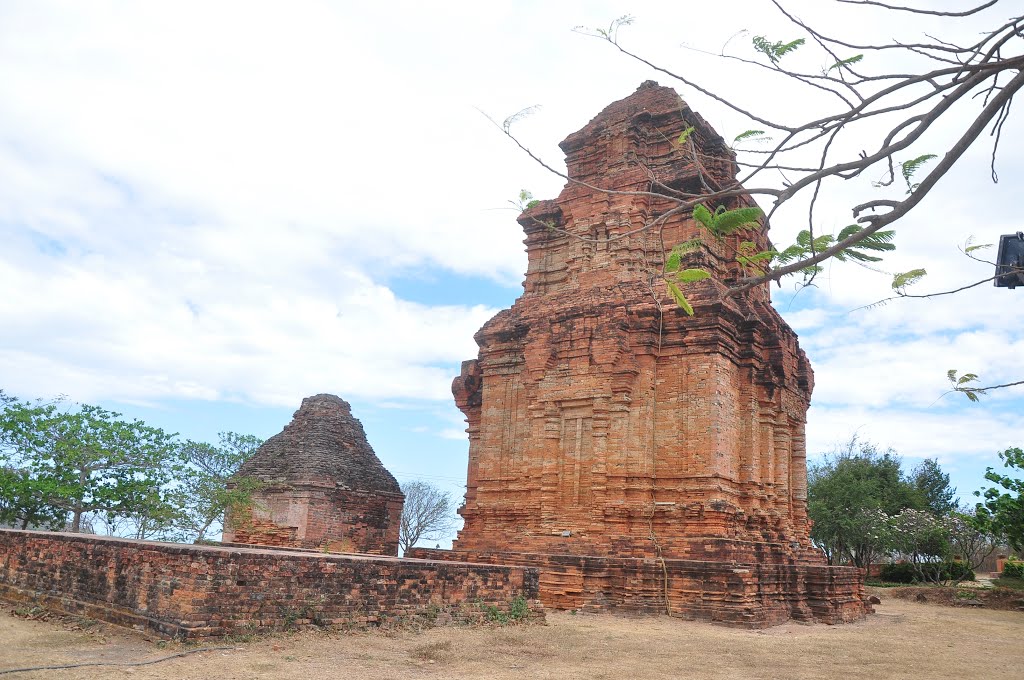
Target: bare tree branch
column 900, row 8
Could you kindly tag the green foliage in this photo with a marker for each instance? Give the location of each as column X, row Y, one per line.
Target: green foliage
column 723, row 221
column 923, row 539
column 519, row 609
column 906, row 572
column 962, row 383
column 24, row 501
column 673, row 275
column 613, row 28
column 912, row 166
column 692, row 275
column 679, row 298
column 775, row 50
column 846, row 62
column 526, row 201
column 932, row 486
column 203, row 492
column 751, row 135
column 852, row 495
column 495, row 615
column 1003, row 504
column 1009, row 582
column 901, row 280
column 84, row 459
column 1013, row 569
column 970, row 246
column 806, row 246
column 879, row 241
column 752, row 259
column 684, row 136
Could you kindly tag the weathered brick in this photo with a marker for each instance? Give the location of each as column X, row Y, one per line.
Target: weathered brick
column 606, row 423
column 217, row 591
column 324, row 487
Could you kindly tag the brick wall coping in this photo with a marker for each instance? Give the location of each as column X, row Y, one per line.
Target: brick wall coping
column 185, row 548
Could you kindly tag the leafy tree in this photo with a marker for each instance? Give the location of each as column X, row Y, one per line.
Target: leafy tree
column 428, row 514
column 24, row 504
column 84, row 459
column 851, row 495
column 924, row 540
column 1003, row 504
column 932, row 484
column 204, row 489
column 970, row 537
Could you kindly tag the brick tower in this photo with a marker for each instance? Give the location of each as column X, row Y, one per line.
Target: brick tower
column 611, row 434
column 322, row 487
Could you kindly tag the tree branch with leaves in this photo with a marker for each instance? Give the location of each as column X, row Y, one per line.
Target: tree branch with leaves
column 871, row 121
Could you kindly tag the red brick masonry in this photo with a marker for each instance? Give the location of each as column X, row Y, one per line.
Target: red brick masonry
column 189, row 591
column 609, row 429
column 754, row 595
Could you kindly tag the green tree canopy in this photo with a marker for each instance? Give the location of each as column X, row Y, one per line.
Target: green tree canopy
column 932, row 485
column 851, row 495
column 77, row 459
column 1003, row 504
column 204, row 491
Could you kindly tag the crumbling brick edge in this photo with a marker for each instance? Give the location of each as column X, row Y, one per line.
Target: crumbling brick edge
column 729, row 593
column 188, row 592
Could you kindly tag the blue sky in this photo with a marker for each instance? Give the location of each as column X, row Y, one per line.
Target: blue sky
column 210, row 211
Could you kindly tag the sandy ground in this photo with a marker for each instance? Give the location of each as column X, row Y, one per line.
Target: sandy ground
column 903, row 640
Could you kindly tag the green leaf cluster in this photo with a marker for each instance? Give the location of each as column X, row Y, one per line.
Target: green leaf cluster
column 722, row 221
column 806, row 246
column 910, row 167
column 1003, row 504
column 901, row 280
column 204, row 492
column 753, row 259
column 846, row 62
column 751, row 135
column 962, row 383
column 675, row 275
column 775, row 50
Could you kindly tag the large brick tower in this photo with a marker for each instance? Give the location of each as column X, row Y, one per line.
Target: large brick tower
column 611, row 431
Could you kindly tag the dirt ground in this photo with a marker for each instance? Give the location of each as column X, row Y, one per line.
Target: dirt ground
column 902, row 640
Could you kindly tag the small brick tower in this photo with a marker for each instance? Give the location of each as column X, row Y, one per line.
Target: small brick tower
column 323, row 486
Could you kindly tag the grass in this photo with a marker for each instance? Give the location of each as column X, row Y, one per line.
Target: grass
column 904, row 639
column 1009, row 582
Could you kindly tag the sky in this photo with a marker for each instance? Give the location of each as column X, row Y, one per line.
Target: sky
column 211, row 210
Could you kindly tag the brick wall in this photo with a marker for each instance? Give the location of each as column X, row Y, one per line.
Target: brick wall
column 749, row 595
column 320, row 517
column 187, row 591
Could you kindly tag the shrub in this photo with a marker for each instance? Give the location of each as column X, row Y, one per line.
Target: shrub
column 519, row 609
column 898, row 572
column 1013, row 569
column 904, row 572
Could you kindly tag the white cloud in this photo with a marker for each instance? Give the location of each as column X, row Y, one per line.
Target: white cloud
column 210, row 201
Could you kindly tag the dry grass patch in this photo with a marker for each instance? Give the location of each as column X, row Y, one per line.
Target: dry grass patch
column 904, row 640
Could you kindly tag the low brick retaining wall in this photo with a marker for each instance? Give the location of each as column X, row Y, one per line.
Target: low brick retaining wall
column 193, row 591
column 747, row 595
